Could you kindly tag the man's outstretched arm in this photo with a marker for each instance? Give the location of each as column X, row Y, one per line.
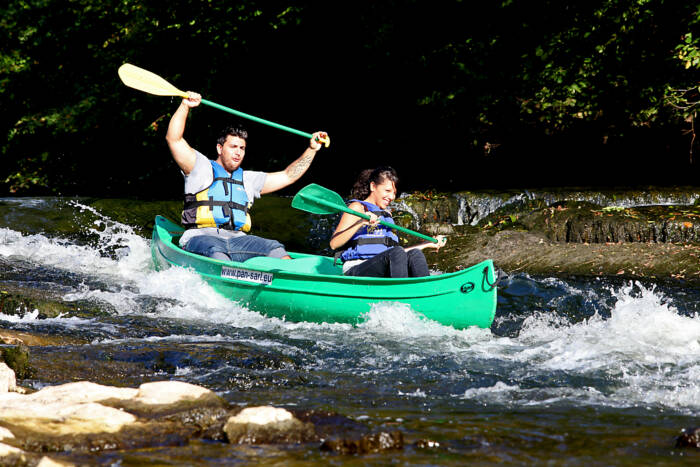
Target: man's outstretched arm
column 278, row 180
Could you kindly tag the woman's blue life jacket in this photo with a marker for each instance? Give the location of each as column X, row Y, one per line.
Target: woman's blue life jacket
column 223, row 204
column 367, row 243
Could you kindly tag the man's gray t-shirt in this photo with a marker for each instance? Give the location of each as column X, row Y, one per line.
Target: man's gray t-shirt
column 201, row 176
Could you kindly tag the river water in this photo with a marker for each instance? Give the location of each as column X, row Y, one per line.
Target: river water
column 596, row 371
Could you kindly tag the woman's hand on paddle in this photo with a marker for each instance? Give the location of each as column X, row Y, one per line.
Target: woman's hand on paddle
column 318, row 140
column 192, row 100
column 373, row 220
column 441, row 241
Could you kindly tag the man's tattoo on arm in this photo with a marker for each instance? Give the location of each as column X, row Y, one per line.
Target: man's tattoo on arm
column 297, row 168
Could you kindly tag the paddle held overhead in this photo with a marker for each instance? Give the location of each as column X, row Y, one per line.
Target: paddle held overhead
column 146, row 81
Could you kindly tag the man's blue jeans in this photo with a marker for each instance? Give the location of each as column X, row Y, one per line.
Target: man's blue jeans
column 238, row 248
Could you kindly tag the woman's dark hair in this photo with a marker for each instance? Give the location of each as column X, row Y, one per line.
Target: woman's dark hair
column 361, row 188
column 231, row 131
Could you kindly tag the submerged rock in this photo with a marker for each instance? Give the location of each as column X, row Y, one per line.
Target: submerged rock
column 17, row 358
column 689, row 438
column 372, row 443
column 17, row 302
column 267, row 425
column 21, row 301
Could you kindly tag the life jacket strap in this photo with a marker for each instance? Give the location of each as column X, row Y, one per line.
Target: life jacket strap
column 226, row 181
column 227, row 206
column 387, row 241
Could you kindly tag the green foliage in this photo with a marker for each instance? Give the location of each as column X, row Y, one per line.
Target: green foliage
column 29, row 175
column 686, row 98
column 60, row 91
column 478, row 77
column 607, row 62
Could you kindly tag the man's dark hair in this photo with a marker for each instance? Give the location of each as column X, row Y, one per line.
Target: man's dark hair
column 232, row 131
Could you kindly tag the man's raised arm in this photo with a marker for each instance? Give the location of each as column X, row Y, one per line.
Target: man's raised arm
column 183, row 154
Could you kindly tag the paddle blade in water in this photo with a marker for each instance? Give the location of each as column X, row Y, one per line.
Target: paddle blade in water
column 318, row 200
column 145, row 81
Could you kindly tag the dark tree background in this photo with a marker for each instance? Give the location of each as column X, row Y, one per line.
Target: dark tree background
column 455, row 95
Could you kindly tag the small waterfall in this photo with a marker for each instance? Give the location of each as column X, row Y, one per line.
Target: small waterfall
column 474, row 206
column 401, row 205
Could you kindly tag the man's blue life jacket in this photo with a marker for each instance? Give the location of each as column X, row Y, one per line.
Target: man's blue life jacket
column 224, row 204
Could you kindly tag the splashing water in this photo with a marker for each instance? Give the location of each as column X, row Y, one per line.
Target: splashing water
column 557, row 346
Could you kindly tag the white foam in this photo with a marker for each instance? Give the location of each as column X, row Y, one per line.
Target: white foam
column 646, row 351
column 641, row 329
column 32, row 317
column 398, row 320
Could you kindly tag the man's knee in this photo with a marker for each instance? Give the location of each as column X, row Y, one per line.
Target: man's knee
column 279, row 252
column 207, row 246
column 251, row 245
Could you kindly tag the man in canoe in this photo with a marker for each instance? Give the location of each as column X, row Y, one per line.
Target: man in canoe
column 219, row 193
column 368, row 248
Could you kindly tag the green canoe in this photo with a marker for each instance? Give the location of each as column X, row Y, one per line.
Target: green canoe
column 312, row 288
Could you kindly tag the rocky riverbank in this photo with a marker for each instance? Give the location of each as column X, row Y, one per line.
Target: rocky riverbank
column 76, row 423
column 71, row 424
column 560, row 236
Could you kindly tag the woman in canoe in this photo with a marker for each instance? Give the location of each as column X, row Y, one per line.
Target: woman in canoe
column 368, row 248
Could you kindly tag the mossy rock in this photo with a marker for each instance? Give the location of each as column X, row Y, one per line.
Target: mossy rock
column 415, row 211
column 582, row 222
column 18, row 301
column 17, row 358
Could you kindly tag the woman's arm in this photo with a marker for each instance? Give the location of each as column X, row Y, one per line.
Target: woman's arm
column 349, row 225
column 442, row 240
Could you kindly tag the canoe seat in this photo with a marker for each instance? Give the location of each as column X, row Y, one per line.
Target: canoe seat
column 309, row 265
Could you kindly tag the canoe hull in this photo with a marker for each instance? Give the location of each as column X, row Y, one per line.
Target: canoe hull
column 315, row 290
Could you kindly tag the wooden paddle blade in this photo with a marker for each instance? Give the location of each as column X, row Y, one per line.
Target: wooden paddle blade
column 145, row 81
column 318, row 200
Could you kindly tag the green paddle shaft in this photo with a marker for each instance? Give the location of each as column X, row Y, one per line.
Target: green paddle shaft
column 256, row 119
column 149, row 82
column 343, row 208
